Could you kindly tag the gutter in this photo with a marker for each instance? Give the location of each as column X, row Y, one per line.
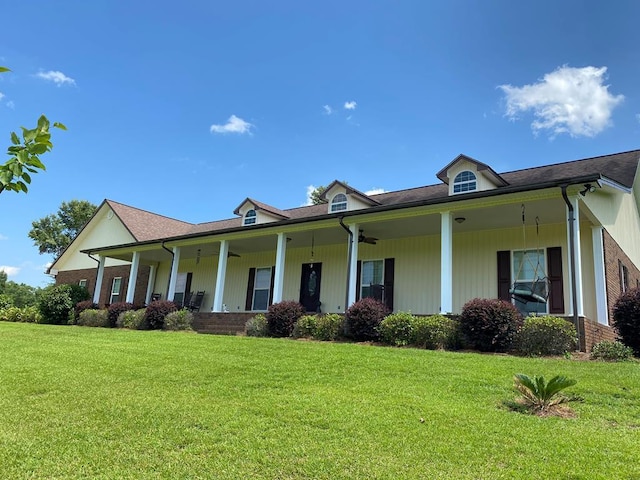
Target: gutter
column 346, row 299
column 572, row 262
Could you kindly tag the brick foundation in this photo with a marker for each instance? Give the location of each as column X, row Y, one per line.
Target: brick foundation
column 89, row 274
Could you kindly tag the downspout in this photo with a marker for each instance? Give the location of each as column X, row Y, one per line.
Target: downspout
column 170, row 268
column 346, row 300
column 572, row 262
column 97, row 271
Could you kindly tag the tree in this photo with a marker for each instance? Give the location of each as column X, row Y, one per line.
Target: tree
column 314, row 196
column 25, row 154
column 53, row 233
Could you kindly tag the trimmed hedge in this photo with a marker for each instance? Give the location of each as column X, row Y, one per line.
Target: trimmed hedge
column 157, row 311
column 94, row 318
column 256, row 326
column 489, row 325
column 180, row 320
column 546, row 335
column 362, row 320
column 282, row 317
column 398, row 329
column 115, row 309
column 305, row 327
column 626, row 319
column 436, row 332
column 329, row 326
column 133, row 319
column 611, row 352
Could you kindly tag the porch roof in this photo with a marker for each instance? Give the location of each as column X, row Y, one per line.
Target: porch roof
column 619, row 169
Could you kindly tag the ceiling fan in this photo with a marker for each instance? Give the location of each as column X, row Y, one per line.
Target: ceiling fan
column 363, row 239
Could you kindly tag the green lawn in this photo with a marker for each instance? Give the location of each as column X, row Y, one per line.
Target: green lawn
column 97, row 403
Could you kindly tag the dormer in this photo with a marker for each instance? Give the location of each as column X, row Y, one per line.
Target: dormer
column 254, row 213
column 465, row 175
column 341, row 197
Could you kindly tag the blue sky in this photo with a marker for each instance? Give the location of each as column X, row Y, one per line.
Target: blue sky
column 186, row 108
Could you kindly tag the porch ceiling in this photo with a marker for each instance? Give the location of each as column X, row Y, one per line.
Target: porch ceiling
column 548, row 210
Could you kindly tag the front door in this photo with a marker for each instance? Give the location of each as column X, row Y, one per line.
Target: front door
column 310, row 286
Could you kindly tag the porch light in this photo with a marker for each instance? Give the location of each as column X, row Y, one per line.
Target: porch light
column 460, row 219
column 588, row 188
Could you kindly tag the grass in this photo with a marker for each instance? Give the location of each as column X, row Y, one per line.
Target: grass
column 80, row 402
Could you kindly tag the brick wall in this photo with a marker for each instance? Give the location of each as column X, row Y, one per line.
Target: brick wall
column 614, row 256
column 89, row 274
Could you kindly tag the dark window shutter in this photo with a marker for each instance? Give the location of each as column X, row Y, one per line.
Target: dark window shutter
column 554, row 274
column 504, row 275
column 249, row 301
column 389, row 272
column 273, row 279
column 358, row 280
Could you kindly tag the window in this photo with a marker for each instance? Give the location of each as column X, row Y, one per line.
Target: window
column 83, row 282
column 624, row 277
column 372, row 277
column 115, row 290
column 261, row 289
column 339, row 203
column 529, row 266
column 464, row 182
column 250, row 217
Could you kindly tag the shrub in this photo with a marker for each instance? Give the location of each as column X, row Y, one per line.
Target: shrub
column 305, row 327
column 82, row 306
column 5, row 301
column 611, row 351
column 133, row 319
column 436, row 331
column 11, row 314
column 397, row 329
column 489, row 325
column 282, row 317
column 180, row 320
column 55, row 305
column 94, row 318
column 626, row 319
column 256, row 326
column 157, row 311
column 546, row 335
column 363, row 318
column 115, row 309
column 78, row 293
column 328, row 327
column 541, row 397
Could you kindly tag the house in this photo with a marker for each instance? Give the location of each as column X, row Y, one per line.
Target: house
column 561, row 238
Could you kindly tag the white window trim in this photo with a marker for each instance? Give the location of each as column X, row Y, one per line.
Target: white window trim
column 250, row 219
column 255, row 289
column 338, row 206
column 362, row 284
column 462, row 185
column 117, row 293
column 82, row 282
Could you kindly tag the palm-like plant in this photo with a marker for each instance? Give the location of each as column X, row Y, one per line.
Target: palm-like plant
column 539, row 395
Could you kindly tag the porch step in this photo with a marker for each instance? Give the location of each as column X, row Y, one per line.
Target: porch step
column 221, row 323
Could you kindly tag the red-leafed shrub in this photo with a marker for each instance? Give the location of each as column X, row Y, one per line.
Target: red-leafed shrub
column 115, row 309
column 362, row 320
column 282, row 317
column 156, row 311
column 626, row 319
column 489, row 325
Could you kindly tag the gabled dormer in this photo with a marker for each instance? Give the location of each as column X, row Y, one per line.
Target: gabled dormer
column 465, row 174
column 254, row 213
column 341, row 197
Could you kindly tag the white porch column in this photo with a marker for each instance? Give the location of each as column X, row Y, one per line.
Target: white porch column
column 577, row 257
column 446, row 263
column 133, row 276
column 99, row 277
column 278, row 281
column 221, row 276
column 174, row 274
column 353, row 267
column 150, row 284
column 602, row 309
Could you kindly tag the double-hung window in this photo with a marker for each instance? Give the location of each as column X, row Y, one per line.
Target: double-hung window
column 261, row 287
column 372, row 276
column 115, row 290
column 529, row 266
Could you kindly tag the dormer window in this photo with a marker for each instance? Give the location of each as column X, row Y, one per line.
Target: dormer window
column 339, row 203
column 465, row 182
column 250, row 217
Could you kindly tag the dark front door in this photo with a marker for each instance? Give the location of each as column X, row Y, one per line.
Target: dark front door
column 310, row 286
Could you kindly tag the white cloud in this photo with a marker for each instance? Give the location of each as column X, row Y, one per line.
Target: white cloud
column 1, row 95
column 350, row 105
column 327, row 109
column 10, row 271
column 567, row 100
column 375, row 191
column 11, row 105
column 233, row 125
column 56, row 77
column 3, row 237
